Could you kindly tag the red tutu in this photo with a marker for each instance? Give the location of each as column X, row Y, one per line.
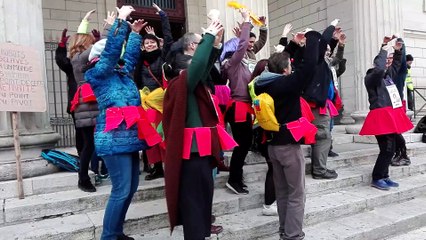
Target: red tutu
column 386, row 120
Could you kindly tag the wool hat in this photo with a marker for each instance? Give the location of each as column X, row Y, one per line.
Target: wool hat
column 153, row 37
column 97, row 49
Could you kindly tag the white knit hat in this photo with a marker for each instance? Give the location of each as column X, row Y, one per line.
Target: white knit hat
column 97, row 49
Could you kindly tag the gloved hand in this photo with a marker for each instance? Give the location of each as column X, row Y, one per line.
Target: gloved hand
column 64, row 38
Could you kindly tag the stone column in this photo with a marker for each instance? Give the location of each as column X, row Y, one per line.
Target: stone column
column 372, row 20
column 21, row 22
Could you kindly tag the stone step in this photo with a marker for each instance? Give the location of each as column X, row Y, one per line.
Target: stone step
column 409, row 138
column 418, row 234
column 379, row 223
column 150, row 216
column 319, row 209
column 75, row 201
column 50, row 183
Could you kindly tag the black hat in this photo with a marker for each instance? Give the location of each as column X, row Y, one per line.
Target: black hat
column 153, row 37
column 409, row 57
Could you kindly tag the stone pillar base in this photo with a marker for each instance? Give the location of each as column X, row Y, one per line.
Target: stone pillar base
column 31, row 146
column 359, row 118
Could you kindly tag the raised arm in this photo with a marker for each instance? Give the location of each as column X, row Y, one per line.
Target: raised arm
column 376, row 74
column 61, row 58
column 133, row 50
column 112, row 51
column 199, row 63
column 263, row 36
column 167, row 32
column 238, row 56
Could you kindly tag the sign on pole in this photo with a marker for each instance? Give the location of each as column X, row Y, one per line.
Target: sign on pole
column 22, row 89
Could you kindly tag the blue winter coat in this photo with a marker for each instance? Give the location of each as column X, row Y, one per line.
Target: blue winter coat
column 114, row 87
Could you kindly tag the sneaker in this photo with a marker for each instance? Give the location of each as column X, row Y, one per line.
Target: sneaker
column 390, row 183
column 216, row 229
column 270, row 210
column 329, row 174
column 86, row 186
column 124, row 237
column 332, row 154
column 98, row 180
column 236, row 188
column 380, row 184
column 104, row 176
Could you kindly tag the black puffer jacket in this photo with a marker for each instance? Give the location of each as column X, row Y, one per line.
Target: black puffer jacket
column 317, row 90
column 379, row 77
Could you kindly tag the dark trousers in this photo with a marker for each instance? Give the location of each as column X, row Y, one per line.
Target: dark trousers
column 387, row 150
column 78, row 137
column 242, row 133
column 94, row 164
column 86, row 152
column 400, row 147
column 196, row 197
column 410, row 99
column 269, row 185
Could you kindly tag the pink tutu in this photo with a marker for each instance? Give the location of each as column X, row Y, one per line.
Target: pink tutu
column 386, row 120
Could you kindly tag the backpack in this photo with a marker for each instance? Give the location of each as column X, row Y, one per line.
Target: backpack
column 265, row 112
column 61, row 159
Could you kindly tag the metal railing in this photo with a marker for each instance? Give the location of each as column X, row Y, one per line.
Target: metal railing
column 421, row 92
column 60, row 120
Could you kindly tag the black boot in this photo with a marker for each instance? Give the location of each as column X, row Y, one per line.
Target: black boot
column 331, row 153
column 157, row 172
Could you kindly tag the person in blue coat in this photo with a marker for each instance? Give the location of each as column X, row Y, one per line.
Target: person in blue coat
column 116, row 134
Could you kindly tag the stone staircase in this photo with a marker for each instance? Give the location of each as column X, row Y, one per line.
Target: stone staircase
column 344, row 208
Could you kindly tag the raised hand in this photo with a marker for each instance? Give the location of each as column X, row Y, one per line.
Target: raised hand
column 213, row 14
column 214, row 28
column 89, row 14
column 110, row 18
column 342, row 39
column 157, row 8
column 245, row 14
column 64, row 38
column 337, row 32
column 236, row 31
column 150, row 30
column 124, row 11
column 218, row 39
column 287, row 29
column 398, row 44
column 138, row 25
column 298, row 38
column 262, row 19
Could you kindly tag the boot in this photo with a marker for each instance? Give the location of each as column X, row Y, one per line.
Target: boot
column 156, row 173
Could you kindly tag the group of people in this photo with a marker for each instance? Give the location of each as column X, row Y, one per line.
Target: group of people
column 131, row 92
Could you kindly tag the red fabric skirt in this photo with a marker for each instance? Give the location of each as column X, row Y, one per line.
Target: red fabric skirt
column 386, row 120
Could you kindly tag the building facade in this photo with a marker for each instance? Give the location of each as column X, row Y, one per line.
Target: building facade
column 39, row 23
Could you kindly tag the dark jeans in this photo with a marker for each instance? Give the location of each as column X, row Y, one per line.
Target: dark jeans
column 387, row 150
column 86, row 152
column 124, row 174
column 196, row 197
column 242, row 133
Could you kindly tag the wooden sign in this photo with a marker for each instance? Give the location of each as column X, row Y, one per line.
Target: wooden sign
column 22, row 87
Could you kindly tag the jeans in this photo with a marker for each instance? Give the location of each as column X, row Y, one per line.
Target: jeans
column 124, row 173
